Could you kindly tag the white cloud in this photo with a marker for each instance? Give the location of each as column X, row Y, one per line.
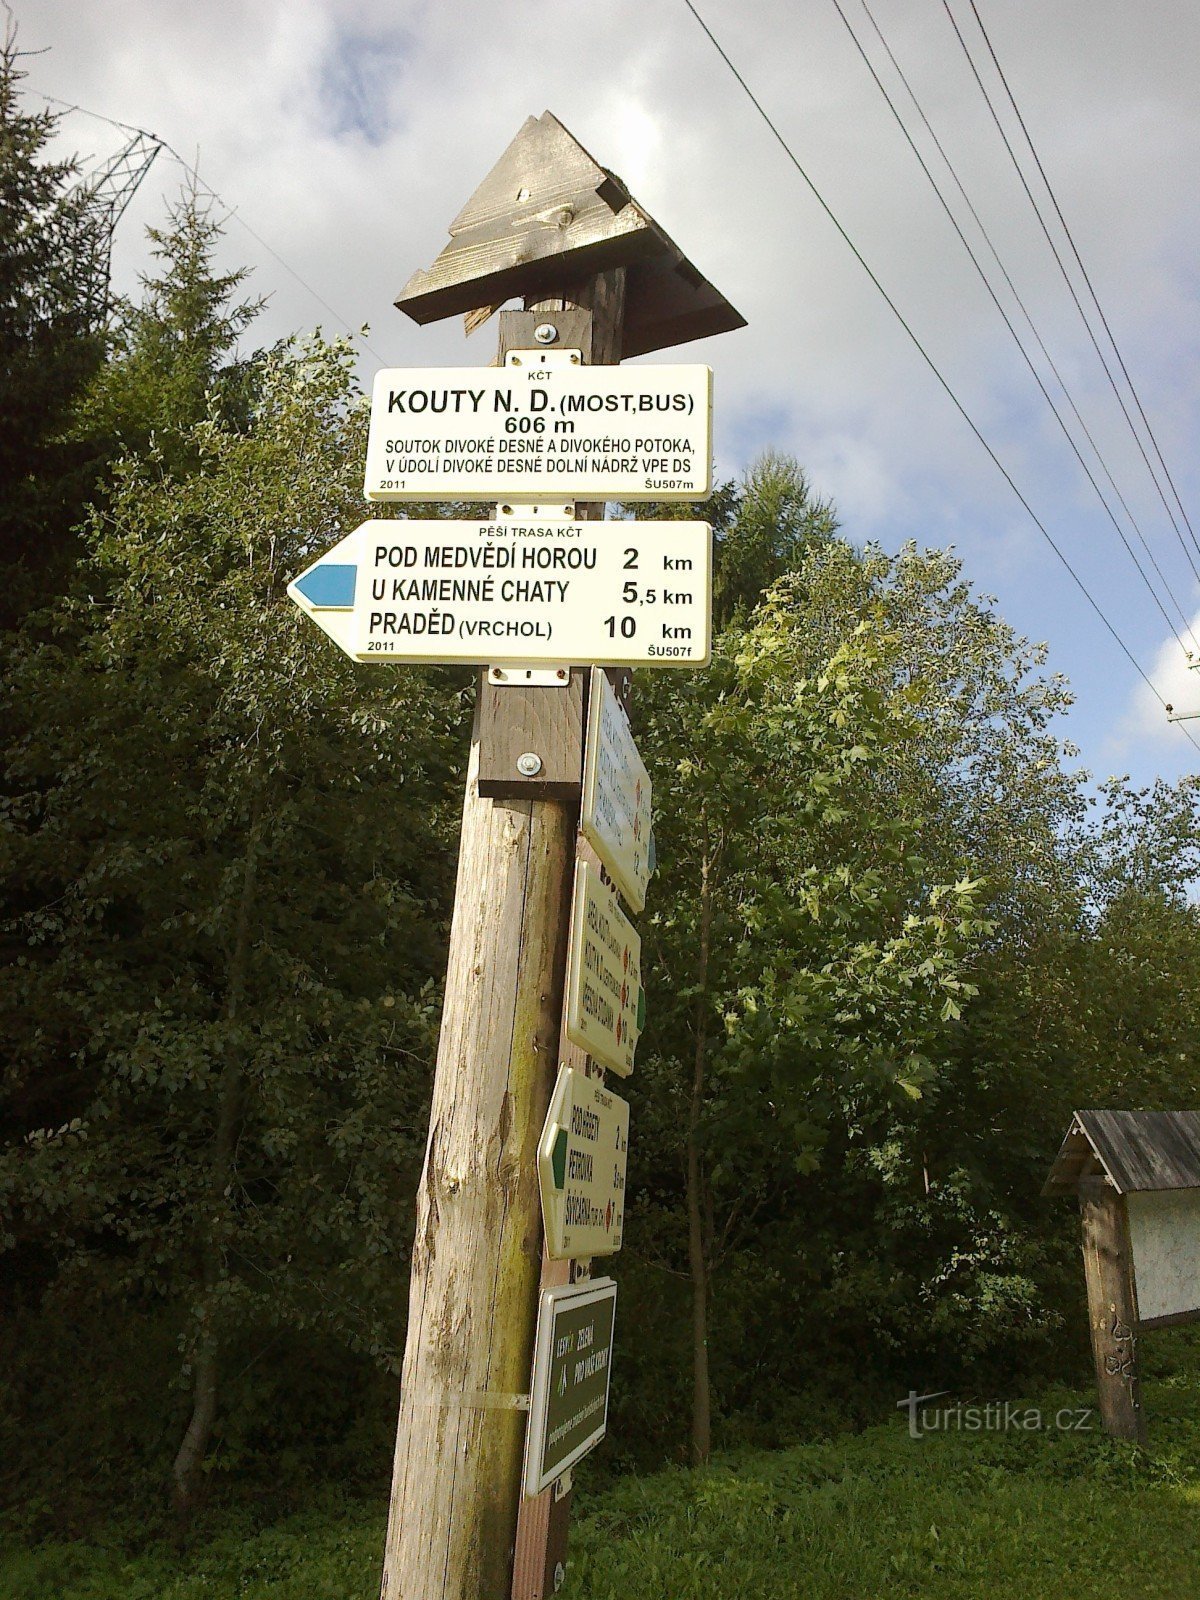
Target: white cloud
column 1145, row 722
column 348, row 134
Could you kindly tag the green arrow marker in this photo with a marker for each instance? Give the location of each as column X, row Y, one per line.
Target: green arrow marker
column 559, row 1159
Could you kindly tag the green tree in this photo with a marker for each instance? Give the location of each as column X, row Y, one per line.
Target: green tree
column 172, row 358
column 49, row 349
column 777, row 522
column 245, row 856
column 803, row 963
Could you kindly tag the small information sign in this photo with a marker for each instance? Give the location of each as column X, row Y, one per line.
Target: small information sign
column 581, row 1168
column 616, row 794
column 550, row 591
column 605, row 1003
column 540, row 427
column 572, row 1363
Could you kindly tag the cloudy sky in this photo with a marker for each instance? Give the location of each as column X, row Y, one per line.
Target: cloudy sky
column 344, row 137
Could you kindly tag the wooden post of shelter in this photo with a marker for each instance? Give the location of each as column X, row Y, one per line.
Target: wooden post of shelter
column 551, row 226
column 1112, row 1308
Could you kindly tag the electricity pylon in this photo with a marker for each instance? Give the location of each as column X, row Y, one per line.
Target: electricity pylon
column 96, row 207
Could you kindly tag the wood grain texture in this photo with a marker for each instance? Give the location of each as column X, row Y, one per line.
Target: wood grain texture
column 477, row 1255
column 1140, row 1151
column 1112, row 1309
column 574, row 325
column 548, row 723
column 545, row 214
column 548, row 214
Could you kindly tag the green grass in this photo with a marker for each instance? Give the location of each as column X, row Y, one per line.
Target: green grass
column 1006, row 1516
column 946, row 1517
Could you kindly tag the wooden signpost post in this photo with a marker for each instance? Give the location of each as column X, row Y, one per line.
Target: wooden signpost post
column 600, row 279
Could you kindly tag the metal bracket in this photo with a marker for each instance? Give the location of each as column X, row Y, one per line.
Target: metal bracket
column 557, row 511
column 544, row 358
column 515, row 676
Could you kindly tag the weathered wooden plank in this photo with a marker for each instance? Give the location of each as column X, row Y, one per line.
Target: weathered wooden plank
column 499, row 265
column 574, row 325
column 544, row 165
column 1139, row 1150
column 547, row 215
column 545, row 722
column 1112, row 1309
column 1146, row 1149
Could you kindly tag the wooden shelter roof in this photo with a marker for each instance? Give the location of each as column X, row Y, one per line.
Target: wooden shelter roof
column 1135, row 1150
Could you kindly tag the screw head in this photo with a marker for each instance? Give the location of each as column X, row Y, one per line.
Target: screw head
column 545, row 333
column 529, row 764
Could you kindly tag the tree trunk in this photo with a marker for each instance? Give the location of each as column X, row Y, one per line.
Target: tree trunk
column 697, row 1244
column 206, row 1367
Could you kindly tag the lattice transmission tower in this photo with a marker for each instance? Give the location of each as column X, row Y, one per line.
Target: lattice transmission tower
column 97, row 205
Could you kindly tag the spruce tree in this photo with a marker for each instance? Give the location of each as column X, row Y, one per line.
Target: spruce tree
column 49, row 349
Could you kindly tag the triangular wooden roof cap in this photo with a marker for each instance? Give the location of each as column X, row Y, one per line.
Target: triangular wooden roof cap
column 548, row 216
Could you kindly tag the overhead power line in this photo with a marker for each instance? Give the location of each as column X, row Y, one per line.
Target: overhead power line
column 1066, row 276
column 929, row 362
column 231, row 211
column 985, row 280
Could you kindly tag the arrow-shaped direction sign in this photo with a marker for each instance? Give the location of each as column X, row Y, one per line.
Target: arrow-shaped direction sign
column 581, row 1167
column 326, row 592
column 540, row 590
column 329, row 585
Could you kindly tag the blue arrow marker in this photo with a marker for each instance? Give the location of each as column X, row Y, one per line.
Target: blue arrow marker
column 331, row 584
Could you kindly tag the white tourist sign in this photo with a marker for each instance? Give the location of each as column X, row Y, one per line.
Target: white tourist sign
column 605, row 1004
column 541, row 427
column 542, row 590
column 581, row 1167
column 615, row 817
